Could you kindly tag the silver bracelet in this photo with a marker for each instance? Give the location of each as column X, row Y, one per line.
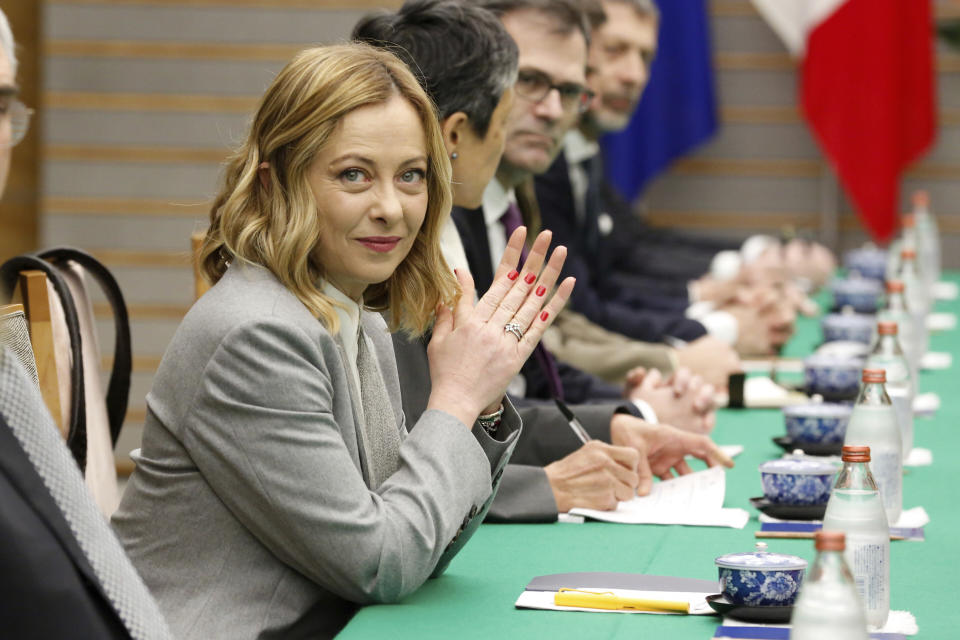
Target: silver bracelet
column 491, row 421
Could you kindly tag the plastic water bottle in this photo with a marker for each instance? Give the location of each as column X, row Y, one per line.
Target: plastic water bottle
column 896, row 311
column 873, row 423
column 928, row 237
column 829, row 607
column 907, row 240
column 914, row 294
column 888, row 355
column 856, row 509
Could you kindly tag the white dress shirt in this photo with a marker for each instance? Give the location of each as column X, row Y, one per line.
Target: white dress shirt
column 496, row 200
column 348, row 312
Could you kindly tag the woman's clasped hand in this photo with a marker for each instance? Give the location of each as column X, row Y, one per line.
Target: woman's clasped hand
column 478, row 347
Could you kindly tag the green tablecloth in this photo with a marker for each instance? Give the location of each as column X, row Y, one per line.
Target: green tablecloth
column 474, row 599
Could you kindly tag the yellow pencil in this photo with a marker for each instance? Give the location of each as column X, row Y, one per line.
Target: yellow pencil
column 609, row 600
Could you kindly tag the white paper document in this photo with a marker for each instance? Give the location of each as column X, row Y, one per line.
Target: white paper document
column 941, row 321
column 945, row 290
column 544, row 600
column 695, row 499
column 936, row 360
column 897, row 622
column 918, row 457
column 926, row 404
column 909, row 519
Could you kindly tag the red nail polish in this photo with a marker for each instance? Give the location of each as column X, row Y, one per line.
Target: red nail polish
column 541, row 291
column 530, row 278
column 513, row 274
column 544, row 316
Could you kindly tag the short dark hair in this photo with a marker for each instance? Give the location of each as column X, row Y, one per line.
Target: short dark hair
column 460, row 53
column 569, row 15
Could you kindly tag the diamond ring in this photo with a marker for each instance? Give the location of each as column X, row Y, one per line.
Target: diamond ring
column 515, row 329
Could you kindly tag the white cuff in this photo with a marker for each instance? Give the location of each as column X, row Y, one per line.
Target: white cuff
column 726, row 265
column 721, row 325
column 646, row 411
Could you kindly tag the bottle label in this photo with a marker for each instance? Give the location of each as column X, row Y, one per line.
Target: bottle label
column 868, row 563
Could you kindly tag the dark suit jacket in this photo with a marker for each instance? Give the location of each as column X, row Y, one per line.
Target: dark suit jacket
column 524, row 494
column 578, row 386
column 656, row 252
column 47, row 587
column 646, row 313
column 663, row 260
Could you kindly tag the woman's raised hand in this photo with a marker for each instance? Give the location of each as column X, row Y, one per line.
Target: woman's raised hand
column 477, row 348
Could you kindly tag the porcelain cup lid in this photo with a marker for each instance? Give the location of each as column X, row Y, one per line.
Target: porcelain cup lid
column 819, row 410
column 761, row 560
column 842, row 362
column 794, row 466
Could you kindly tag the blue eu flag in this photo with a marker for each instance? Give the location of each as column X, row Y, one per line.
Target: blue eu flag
column 678, row 110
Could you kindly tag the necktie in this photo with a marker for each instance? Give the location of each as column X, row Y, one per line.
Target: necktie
column 34, row 429
column 380, row 429
column 593, row 167
column 510, row 220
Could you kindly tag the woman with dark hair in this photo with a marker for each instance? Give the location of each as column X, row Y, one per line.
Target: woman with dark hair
column 467, row 62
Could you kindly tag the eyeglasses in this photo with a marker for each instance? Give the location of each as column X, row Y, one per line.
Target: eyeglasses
column 536, row 85
column 14, row 121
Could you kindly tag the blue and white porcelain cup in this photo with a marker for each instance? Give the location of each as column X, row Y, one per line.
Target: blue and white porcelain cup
column 854, row 327
column 862, row 294
column 819, row 423
column 760, row 578
column 835, row 378
column 798, row 481
column 869, row 262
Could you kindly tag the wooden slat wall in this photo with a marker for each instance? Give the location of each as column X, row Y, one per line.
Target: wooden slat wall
column 763, row 170
column 143, row 101
column 143, row 98
column 20, row 207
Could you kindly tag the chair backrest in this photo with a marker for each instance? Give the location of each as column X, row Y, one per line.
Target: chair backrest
column 34, row 292
column 91, row 419
column 200, row 284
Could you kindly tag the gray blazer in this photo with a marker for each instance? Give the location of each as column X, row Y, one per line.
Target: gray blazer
column 248, row 515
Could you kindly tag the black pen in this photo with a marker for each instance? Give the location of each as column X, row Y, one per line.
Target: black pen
column 575, row 425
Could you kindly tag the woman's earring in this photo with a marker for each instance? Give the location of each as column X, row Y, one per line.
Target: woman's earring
column 454, row 155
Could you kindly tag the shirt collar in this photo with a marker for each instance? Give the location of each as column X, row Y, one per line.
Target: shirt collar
column 348, row 312
column 576, row 147
column 496, row 200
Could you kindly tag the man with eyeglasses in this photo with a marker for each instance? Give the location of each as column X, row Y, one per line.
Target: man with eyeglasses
column 14, row 116
column 623, row 267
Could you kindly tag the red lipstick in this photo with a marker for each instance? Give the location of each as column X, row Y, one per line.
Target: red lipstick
column 380, row 244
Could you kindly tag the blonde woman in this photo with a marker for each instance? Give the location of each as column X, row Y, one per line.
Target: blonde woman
column 277, row 487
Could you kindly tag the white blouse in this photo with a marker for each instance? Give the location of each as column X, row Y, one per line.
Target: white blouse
column 348, row 312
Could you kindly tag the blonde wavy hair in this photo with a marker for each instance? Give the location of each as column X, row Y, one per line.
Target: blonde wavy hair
column 278, row 224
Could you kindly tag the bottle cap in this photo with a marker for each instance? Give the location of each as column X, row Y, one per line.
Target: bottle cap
column 909, row 221
column 851, row 453
column 887, row 328
column 921, row 199
column 874, row 375
column 894, row 286
column 829, row 540
column 908, row 254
